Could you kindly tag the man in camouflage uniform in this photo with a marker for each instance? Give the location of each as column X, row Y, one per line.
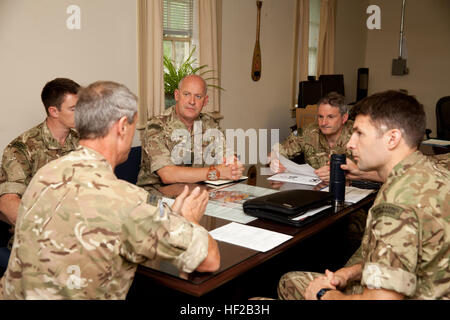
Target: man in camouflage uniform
column 36, row 147
column 81, row 231
column 318, row 141
column 167, row 159
column 405, row 252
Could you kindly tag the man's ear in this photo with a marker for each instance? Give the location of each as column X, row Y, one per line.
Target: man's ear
column 393, row 138
column 205, row 102
column 53, row 111
column 122, row 126
column 344, row 118
column 176, row 94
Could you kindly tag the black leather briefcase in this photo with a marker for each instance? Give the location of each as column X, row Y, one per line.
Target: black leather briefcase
column 288, row 206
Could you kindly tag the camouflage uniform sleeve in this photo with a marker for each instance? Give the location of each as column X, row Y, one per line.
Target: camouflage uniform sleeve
column 392, row 249
column 156, row 232
column 15, row 171
column 155, row 147
column 292, row 146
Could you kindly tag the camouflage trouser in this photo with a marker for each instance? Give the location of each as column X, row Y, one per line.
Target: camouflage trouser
column 292, row 285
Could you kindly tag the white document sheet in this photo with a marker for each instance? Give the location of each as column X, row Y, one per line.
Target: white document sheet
column 301, row 169
column 226, row 213
column 311, row 212
column 353, row 194
column 436, row 142
column 226, row 203
column 295, row 173
column 216, row 210
column 249, row 237
column 295, row 178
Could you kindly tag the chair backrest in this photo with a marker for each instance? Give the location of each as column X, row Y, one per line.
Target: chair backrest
column 129, row 170
column 309, row 92
column 305, row 116
column 443, row 118
column 332, row 82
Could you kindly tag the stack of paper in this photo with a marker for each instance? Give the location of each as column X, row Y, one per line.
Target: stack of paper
column 437, row 142
column 295, row 178
column 296, row 173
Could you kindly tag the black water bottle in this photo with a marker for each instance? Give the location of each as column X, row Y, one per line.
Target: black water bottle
column 337, row 178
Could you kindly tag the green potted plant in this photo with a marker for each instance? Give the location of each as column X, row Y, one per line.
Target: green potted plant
column 173, row 75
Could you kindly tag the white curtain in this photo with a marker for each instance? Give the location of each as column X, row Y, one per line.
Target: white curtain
column 325, row 52
column 150, row 60
column 210, row 13
column 301, row 47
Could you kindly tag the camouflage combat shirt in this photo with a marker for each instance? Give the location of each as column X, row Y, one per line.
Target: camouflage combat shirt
column 81, row 233
column 158, row 145
column 314, row 145
column 27, row 154
column 406, row 247
column 443, row 159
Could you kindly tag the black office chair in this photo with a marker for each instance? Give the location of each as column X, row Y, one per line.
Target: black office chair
column 442, row 119
column 129, row 170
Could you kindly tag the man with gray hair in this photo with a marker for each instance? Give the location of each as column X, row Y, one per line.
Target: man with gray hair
column 318, row 141
column 81, row 232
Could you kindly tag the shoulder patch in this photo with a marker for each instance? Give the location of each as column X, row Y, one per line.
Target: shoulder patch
column 153, row 199
column 154, row 126
column 387, row 209
column 18, row 145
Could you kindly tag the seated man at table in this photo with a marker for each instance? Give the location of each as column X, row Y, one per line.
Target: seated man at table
column 81, row 232
column 36, row 147
column 405, row 251
column 159, row 148
column 319, row 140
column 26, row 154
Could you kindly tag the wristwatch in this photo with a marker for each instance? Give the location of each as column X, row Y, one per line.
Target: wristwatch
column 213, row 173
column 321, row 292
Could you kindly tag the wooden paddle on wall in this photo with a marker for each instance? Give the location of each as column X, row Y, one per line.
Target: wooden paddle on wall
column 256, row 63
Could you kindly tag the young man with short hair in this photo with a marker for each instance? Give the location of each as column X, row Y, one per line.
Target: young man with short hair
column 405, row 251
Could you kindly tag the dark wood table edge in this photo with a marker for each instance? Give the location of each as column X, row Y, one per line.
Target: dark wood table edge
column 198, row 290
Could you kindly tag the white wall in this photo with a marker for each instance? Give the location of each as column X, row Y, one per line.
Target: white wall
column 350, row 42
column 427, row 31
column 265, row 103
column 36, row 46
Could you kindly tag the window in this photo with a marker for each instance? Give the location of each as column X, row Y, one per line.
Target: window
column 178, row 28
column 314, row 23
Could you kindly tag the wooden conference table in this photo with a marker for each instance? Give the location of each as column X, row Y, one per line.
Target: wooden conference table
column 236, row 260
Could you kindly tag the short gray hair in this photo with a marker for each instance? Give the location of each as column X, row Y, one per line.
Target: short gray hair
column 334, row 99
column 100, row 105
